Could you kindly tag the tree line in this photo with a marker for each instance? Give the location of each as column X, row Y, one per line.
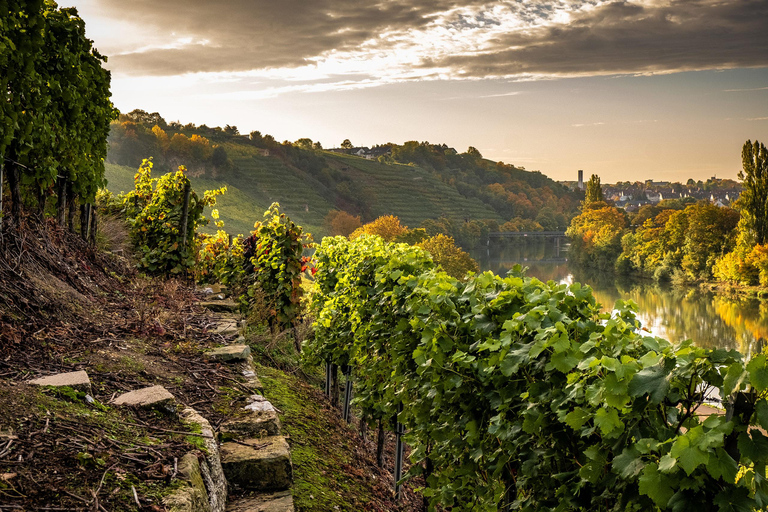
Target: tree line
column 681, row 239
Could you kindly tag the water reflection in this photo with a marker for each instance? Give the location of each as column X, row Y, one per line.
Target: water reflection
column 670, row 312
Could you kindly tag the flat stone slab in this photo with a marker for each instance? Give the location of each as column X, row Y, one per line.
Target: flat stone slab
column 261, row 420
column 78, row 380
column 272, row 502
column 221, row 305
column 148, row 398
column 259, row 464
column 226, row 328
column 229, row 354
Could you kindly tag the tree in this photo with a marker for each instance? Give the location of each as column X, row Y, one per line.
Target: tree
column 754, row 198
column 387, row 227
column 341, row 223
column 303, row 143
column 472, row 151
column 346, row 144
column 594, row 190
column 450, row 258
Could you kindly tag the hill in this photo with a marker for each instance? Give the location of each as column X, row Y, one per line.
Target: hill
column 416, row 181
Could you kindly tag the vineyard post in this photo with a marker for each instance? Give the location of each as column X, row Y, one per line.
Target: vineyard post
column 335, row 385
column 399, row 431
column 328, row 371
column 84, row 221
column 185, row 215
column 94, row 225
column 61, row 200
column 347, row 370
column 71, row 206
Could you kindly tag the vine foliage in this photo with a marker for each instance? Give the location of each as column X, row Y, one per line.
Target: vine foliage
column 155, row 213
column 521, row 395
column 56, row 111
column 275, row 266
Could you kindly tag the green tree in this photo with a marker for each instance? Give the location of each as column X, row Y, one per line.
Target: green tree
column 346, row 144
column 594, row 190
column 754, row 198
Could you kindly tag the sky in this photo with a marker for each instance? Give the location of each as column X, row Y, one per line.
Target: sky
column 628, row 90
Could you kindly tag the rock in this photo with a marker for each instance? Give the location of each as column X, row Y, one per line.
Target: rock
column 192, row 497
column 264, row 464
column 221, row 305
column 273, row 502
column 76, row 380
column 261, row 420
column 227, row 328
column 229, row 354
column 153, row 397
column 251, row 380
column 210, row 469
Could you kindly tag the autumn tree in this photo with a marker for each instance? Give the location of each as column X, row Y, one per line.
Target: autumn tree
column 594, row 190
column 341, row 223
column 346, row 144
column 754, row 198
column 596, row 236
column 387, row 227
column 448, row 256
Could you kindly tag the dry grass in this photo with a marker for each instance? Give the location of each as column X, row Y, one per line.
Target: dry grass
column 113, row 235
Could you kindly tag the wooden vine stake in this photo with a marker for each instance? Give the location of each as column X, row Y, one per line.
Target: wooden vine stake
column 399, row 448
column 85, row 220
column 94, row 227
column 347, row 370
column 185, row 215
column 61, row 200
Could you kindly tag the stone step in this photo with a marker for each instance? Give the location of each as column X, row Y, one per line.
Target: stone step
column 227, row 305
column 262, row 464
column 226, row 328
column 259, row 418
column 272, row 502
column 229, row 353
column 153, row 397
column 76, row 380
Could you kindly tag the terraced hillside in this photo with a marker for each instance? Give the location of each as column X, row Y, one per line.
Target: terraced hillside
column 415, row 181
column 255, row 181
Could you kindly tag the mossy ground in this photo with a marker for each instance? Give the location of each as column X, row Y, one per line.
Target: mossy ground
column 334, row 469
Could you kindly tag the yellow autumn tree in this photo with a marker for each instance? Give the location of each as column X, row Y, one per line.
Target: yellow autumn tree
column 387, row 227
column 449, row 256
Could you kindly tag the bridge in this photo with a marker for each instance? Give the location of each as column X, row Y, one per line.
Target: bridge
column 528, row 234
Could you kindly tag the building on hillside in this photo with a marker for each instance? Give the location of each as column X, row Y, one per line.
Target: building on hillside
column 364, row 152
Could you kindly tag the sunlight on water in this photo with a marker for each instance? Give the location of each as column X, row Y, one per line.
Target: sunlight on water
column 665, row 311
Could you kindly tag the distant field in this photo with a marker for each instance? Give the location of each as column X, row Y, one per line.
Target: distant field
column 411, row 193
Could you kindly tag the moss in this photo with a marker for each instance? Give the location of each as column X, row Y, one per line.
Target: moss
column 326, row 475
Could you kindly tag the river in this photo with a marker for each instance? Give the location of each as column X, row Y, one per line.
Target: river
column 674, row 313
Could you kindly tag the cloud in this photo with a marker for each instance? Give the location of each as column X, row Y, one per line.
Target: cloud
column 747, row 90
column 629, row 37
column 394, row 40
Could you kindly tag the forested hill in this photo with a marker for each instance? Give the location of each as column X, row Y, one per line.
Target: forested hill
column 424, row 184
